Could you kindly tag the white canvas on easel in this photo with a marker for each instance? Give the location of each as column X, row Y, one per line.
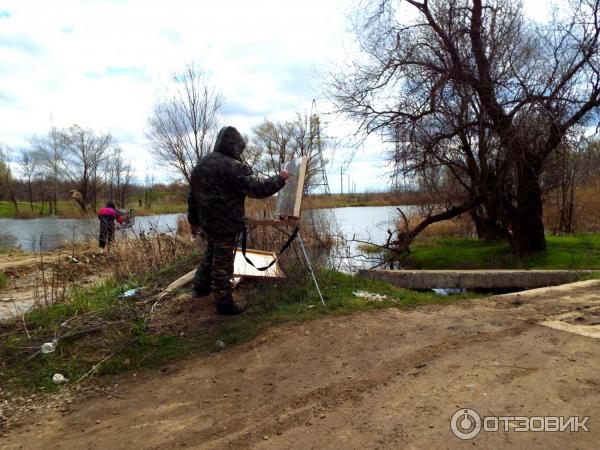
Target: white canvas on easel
column 241, row 268
column 289, row 199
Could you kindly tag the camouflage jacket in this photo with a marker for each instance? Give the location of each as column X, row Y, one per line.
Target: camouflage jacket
column 220, row 183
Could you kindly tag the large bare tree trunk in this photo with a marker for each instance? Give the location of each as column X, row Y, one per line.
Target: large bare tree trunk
column 488, row 220
column 405, row 239
column 528, row 225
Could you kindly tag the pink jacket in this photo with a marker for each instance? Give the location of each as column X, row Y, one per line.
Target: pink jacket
column 105, row 211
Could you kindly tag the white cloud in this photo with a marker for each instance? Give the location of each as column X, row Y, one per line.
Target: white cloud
column 102, row 63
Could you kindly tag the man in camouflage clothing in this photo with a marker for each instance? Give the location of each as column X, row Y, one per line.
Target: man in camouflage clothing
column 219, row 186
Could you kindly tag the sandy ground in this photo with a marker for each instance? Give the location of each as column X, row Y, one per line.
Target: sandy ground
column 24, row 273
column 382, row 379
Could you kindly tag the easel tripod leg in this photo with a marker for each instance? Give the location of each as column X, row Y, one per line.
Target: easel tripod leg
column 312, row 272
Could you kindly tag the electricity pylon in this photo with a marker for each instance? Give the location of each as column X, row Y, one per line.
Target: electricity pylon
column 320, row 185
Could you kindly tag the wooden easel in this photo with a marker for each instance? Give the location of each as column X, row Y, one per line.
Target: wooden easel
column 289, row 222
column 289, row 207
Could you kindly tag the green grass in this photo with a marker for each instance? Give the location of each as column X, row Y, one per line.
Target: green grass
column 563, row 252
column 65, row 208
column 162, row 208
column 24, row 370
column 158, row 195
column 269, row 308
column 6, row 209
column 73, row 357
column 3, row 280
column 363, row 199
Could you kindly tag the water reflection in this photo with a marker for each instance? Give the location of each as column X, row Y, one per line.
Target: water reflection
column 359, row 225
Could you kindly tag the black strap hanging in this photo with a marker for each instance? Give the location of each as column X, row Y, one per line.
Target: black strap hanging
column 285, row 246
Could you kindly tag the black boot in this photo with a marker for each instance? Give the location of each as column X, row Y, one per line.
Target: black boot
column 200, row 292
column 225, row 304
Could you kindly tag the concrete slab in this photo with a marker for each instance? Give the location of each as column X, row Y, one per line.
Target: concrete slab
column 585, row 322
column 476, row 279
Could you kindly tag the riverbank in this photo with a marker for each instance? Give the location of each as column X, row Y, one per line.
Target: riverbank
column 563, row 252
column 103, row 337
column 320, row 201
column 70, row 210
column 571, row 252
column 135, row 333
column 165, row 205
column 386, row 378
column 99, row 332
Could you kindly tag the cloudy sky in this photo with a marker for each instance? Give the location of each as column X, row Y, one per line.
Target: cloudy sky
column 102, row 64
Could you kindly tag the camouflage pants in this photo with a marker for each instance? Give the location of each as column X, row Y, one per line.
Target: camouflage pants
column 216, row 269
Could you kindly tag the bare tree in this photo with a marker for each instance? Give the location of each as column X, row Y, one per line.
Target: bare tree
column 119, row 177
column 84, row 153
column 472, row 83
column 574, row 164
column 149, row 183
column 49, row 151
column 184, row 124
column 281, row 141
column 7, row 181
column 28, row 163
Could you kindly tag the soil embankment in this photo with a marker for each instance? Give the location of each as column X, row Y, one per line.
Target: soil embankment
column 381, row 379
column 35, row 277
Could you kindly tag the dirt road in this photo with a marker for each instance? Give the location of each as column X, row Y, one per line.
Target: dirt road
column 383, row 379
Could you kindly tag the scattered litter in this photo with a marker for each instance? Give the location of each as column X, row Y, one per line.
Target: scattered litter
column 130, row 293
column 310, row 306
column 448, row 291
column 370, row 296
column 6, row 299
column 59, row 378
column 48, row 347
column 236, row 281
column 220, row 344
column 73, row 260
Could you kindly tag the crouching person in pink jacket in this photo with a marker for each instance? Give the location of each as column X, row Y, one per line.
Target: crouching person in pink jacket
column 108, row 215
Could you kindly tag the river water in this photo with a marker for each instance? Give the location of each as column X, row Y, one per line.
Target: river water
column 52, row 232
column 356, row 223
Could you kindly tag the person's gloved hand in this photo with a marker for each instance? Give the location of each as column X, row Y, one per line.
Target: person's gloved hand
column 285, row 174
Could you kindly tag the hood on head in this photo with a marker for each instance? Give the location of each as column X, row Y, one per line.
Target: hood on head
column 230, row 142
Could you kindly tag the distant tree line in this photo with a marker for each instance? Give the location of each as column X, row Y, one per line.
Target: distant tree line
column 64, row 160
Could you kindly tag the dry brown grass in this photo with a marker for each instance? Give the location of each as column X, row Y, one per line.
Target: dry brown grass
column 461, row 226
column 587, row 210
column 148, row 252
column 366, row 199
column 316, row 229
